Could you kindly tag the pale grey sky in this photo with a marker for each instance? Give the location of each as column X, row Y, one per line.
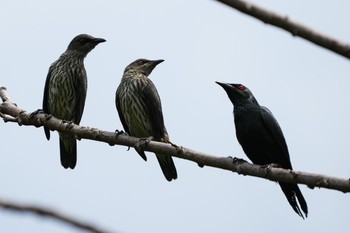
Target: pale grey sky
column 305, row 86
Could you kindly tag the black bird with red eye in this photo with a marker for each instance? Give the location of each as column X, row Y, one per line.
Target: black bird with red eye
column 262, row 139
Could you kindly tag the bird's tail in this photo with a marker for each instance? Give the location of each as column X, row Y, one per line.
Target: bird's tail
column 47, row 133
column 141, row 153
column 168, row 167
column 292, row 192
column 68, row 151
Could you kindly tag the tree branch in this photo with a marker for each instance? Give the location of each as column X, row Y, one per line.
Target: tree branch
column 43, row 212
column 228, row 163
column 295, row 28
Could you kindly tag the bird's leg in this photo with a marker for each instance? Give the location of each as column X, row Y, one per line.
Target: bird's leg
column 178, row 148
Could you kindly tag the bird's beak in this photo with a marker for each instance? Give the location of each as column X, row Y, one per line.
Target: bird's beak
column 227, row 87
column 224, row 85
column 156, row 62
column 99, row 40
column 152, row 64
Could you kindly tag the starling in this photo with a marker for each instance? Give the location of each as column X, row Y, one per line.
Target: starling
column 65, row 92
column 262, row 139
column 140, row 110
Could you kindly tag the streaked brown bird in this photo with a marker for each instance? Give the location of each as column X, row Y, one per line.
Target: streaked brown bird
column 140, row 110
column 65, row 92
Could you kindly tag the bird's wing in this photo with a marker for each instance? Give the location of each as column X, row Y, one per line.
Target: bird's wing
column 80, row 87
column 120, row 112
column 275, row 131
column 46, row 99
column 154, row 107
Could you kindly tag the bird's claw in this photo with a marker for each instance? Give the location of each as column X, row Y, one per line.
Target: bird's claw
column 237, row 160
column 174, row 145
column 69, row 125
column 178, row 148
column 141, row 146
column 119, row 132
column 269, row 166
column 143, row 142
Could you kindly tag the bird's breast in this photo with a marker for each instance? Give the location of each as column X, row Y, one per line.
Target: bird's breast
column 253, row 137
column 67, row 84
column 134, row 108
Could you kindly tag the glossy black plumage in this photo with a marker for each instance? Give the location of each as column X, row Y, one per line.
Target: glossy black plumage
column 65, row 92
column 262, row 139
column 140, row 110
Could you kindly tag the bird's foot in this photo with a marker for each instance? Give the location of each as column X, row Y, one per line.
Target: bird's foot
column 143, row 142
column 119, row 132
column 269, row 166
column 36, row 112
column 141, row 146
column 178, row 148
column 174, row 145
column 48, row 117
column 39, row 111
column 237, row 160
column 69, row 124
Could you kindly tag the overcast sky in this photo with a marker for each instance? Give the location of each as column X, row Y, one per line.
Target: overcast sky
column 306, row 87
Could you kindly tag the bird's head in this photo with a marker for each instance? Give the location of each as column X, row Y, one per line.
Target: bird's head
column 84, row 43
column 238, row 94
column 143, row 66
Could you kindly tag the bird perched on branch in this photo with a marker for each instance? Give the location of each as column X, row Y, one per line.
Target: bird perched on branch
column 140, row 110
column 65, row 92
column 262, row 139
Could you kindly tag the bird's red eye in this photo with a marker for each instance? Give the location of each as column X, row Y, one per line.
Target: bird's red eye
column 241, row 87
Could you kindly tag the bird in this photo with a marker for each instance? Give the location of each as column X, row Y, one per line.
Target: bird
column 65, row 92
column 140, row 110
column 261, row 138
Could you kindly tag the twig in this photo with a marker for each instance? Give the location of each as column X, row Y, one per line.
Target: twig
column 49, row 213
column 202, row 159
column 295, row 28
column 7, row 118
column 4, row 95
